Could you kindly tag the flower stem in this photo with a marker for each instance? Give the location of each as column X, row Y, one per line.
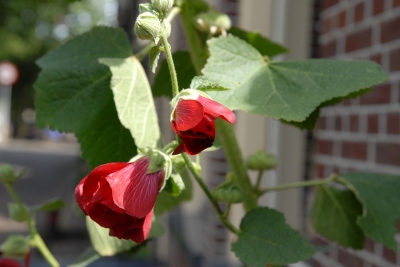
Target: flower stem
column 203, row 186
column 32, row 229
column 299, row 184
column 258, row 183
column 235, row 160
column 171, row 66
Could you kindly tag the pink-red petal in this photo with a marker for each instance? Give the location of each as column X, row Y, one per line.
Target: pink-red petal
column 215, row 110
column 5, row 262
column 188, row 114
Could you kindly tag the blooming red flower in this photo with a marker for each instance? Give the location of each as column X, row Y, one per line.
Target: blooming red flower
column 193, row 120
column 121, row 196
column 6, row 262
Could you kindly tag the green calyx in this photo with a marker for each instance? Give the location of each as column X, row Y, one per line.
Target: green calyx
column 16, row 246
column 261, row 161
column 163, row 6
column 212, row 22
column 228, row 191
column 147, row 26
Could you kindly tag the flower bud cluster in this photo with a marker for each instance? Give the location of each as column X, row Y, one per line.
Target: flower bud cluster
column 150, row 23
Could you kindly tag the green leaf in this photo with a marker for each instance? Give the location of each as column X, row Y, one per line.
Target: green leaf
column 204, row 83
column 154, row 55
column 166, row 202
column 379, row 194
column 15, row 212
column 133, row 99
column 265, row 46
column 104, row 244
column 73, row 95
column 51, row 205
column 289, row 90
column 334, row 216
column 265, row 238
column 88, row 256
column 310, row 122
column 174, row 185
column 185, row 72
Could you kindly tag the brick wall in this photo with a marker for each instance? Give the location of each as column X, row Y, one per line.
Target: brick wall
column 363, row 133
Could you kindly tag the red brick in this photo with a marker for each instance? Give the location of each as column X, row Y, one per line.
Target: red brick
column 338, row 123
column 389, row 255
column 390, row 30
column 348, row 259
column 377, row 58
column 326, row 25
column 359, row 40
column 321, row 123
column 329, row 3
column 342, row 19
column 369, row 245
column 395, row 59
column 373, row 123
column 396, row 3
column 325, row 147
column 354, row 150
column 387, row 153
column 359, row 12
column 354, row 123
column 379, row 6
column 380, row 95
column 329, row 49
column 393, row 123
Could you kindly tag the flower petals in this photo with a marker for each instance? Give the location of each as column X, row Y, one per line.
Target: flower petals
column 188, row 114
column 215, row 110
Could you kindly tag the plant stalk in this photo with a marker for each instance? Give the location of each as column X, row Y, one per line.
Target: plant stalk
column 171, row 66
column 203, row 186
column 32, row 229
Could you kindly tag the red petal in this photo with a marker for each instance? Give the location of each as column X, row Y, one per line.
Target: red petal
column 141, row 233
column 102, row 171
column 179, row 149
column 27, row 258
column 188, row 113
column 215, row 110
column 79, row 194
column 5, row 262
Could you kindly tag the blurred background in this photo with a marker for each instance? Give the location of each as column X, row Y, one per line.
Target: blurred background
column 356, row 135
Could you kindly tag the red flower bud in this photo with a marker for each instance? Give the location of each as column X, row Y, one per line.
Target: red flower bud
column 193, row 120
column 121, row 196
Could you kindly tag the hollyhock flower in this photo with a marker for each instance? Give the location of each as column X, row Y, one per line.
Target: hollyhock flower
column 193, row 117
column 121, row 196
column 6, row 262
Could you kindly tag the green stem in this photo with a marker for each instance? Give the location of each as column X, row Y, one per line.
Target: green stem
column 228, row 209
column 170, row 147
column 235, row 160
column 259, row 179
column 203, row 186
column 300, row 184
column 171, row 66
column 35, row 235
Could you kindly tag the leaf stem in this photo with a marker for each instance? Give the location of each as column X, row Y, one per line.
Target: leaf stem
column 32, row 229
column 235, row 160
column 259, row 179
column 171, row 66
column 299, row 184
column 203, row 186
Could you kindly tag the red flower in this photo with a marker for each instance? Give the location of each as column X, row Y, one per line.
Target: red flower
column 193, row 120
column 121, row 196
column 5, row 262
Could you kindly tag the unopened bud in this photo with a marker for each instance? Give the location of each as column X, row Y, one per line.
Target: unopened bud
column 147, row 26
column 166, row 28
column 15, row 246
column 261, row 161
column 178, row 163
column 7, row 174
column 147, row 8
column 213, row 22
column 163, row 6
column 228, row 191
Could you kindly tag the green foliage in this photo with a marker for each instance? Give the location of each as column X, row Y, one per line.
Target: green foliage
column 379, row 195
column 334, row 216
column 283, row 90
column 263, row 45
column 88, row 256
column 15, row 246
column 265, row 238
column 166, row 202
column 174, row 185
column 204, row 83
column 133, row 99
column 185, row 72
column 73, row 95
column 50, row 205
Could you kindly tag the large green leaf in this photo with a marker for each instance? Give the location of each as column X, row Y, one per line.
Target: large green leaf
column 166, row 202
column 289, row 90
column 184, row 70
column 73, row 95
column 133, row 99
column 334, row 216
column 379, row 194
column 265, row 238
column 265, row 46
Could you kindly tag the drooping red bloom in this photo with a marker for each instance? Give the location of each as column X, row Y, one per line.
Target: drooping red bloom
column 6, row 262
column 193, row 120
column 121, row 196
